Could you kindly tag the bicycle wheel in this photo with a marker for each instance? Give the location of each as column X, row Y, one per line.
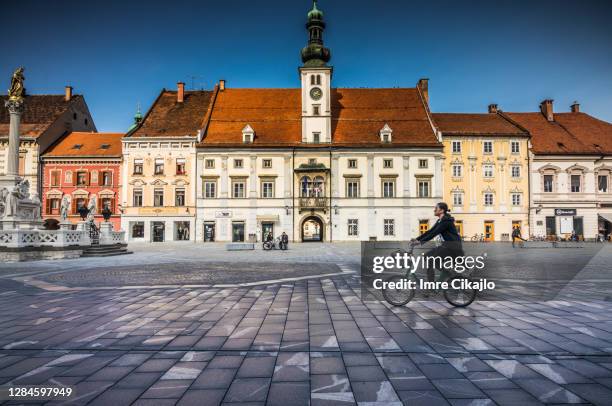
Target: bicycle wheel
column 267, row 246
column 459, row 297
column 474, row 238
column 397, row 297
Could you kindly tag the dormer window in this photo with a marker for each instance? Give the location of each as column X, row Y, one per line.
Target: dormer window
column 248, row 134
column 386, row 134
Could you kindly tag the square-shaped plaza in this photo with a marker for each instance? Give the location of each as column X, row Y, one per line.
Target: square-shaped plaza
column 192, row 324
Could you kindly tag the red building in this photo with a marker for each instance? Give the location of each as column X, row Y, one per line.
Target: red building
column 81, row 165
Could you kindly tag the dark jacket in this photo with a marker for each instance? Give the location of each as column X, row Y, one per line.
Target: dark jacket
column 444, row 227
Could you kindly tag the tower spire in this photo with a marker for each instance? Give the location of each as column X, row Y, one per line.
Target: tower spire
column 315, row 54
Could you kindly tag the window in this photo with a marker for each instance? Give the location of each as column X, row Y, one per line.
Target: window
column 352, row 188
column 389, row 227
column 388, row 187
column 238, row 163
column 159, row 166
column 516, row 199
column 158, row 197
column 247, row 138
column 575, row 183
column 515, row 147
column 353, row 227
column 423, row 163
column 180, row 166
column 53, row 206
column 266, row 163
column 81, row 179
column 456, row 146
column 458, row 199
column 352, row 163
column 487, row 171
column 548, row 183
column 181, row 231
column 315, row 110
column 106, row 178
column 21, row 169
column 106, row 202
column 267, row 189
column 385, row 138
column 238, row 188
column 210, row 189
column 516, row 171
column 316, row 137
column 138, row 229
column 55, row 178
column 78, row 203
column 312, row 80
column 488, row 199
column 423, row 188
column 388, row 163
column 312, row 161
column 137, row 198
column 179, row 197
column 318, row 79
column 602, row 183
column 457, row 171
column 138, row 164
column 487, row 147
column 209, row 164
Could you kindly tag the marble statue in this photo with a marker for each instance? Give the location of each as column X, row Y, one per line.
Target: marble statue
column 91, row 206
column 64, row 209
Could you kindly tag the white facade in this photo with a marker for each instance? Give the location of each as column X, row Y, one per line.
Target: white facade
column 360, row 194
column 144, row 219
column 316, row 104
column 571, row 192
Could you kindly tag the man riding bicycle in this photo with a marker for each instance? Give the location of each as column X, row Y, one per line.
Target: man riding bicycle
column 451, row 240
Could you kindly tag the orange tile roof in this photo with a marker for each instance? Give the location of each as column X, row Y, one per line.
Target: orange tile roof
column 357, row 117
column 86, row 144
column 569, row 133
column 475, row 124
column 168, row 118
column 40, row 111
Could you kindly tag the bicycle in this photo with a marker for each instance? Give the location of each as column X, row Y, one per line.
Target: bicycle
column 457, row 297
column 277, row 243
column 478, row 238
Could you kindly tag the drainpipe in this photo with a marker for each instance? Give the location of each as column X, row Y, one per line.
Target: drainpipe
column 528, row 192
column 331, row 209
column 293, row 192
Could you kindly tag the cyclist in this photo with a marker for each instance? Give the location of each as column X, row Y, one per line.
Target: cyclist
column 451, row 240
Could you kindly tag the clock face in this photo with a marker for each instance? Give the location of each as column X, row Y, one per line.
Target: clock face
column 316, row 93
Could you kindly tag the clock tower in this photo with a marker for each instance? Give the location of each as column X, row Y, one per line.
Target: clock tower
column 316, row 82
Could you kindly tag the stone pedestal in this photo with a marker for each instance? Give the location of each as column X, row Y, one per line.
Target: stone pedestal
column 106, row 233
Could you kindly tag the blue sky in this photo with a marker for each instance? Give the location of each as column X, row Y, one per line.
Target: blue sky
column 120, row 53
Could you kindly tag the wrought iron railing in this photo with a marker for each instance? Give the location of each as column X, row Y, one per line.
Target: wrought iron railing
column 314, row 202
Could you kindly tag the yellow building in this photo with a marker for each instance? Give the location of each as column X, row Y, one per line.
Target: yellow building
column 485, row 174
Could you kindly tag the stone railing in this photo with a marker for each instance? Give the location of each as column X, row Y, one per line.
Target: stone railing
column 43, row 238
column 108, row 236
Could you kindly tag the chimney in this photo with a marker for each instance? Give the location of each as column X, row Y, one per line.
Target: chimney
column 492, row 108
column 222, row 85
column 546, row 107
column 424, row 86
column 180, row 94
column 575, row 107
column 68, row 93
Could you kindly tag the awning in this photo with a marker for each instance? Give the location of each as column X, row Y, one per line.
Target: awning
column 606, row 216
column 267, row 217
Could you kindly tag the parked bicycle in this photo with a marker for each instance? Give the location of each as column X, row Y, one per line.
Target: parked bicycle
column 277, row 243
column 458, row 297
column 478, row 238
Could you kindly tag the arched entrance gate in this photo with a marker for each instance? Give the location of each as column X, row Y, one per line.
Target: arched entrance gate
column 312, row 229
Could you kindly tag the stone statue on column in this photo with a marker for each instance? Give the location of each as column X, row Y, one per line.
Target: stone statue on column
column 17, row 91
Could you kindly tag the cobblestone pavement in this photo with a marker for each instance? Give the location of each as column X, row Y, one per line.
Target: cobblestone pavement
column 300, row 340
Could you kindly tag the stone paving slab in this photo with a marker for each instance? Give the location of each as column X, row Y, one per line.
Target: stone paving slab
column 305, row 341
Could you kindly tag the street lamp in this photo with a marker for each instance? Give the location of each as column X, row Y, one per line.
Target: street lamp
column 336, row 211
column 287, row 209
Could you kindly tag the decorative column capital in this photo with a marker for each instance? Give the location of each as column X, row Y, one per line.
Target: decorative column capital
column 14, row 106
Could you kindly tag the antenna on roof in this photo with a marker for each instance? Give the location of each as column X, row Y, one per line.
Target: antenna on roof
column 192, row 79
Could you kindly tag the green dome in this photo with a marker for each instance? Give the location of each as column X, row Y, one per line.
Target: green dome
column 315, row 13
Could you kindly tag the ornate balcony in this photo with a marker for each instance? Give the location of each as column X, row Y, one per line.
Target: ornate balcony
column 320, row 202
